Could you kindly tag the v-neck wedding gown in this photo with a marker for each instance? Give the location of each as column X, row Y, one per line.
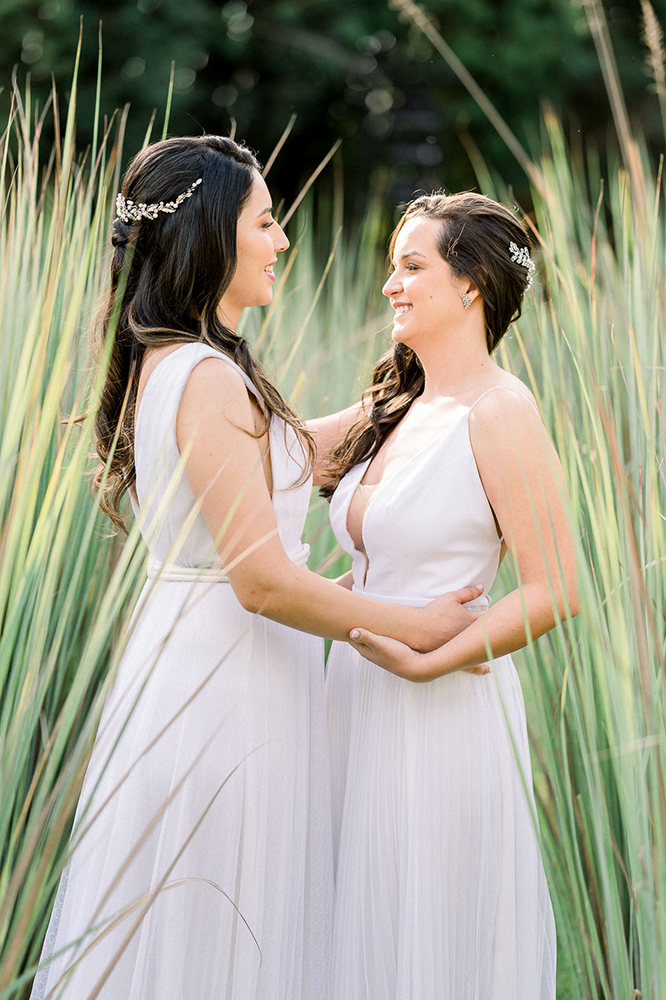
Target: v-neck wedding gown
column 208, row 857
column 440, row 889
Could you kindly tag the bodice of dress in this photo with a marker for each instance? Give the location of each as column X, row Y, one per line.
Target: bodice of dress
column 428, row 528
column 173, row 533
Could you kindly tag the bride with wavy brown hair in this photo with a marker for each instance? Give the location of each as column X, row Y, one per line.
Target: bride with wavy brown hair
column 201, row 858
column 440, row 890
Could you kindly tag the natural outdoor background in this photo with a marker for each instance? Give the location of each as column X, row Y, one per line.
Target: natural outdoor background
column 584, row 89
column 349, row 69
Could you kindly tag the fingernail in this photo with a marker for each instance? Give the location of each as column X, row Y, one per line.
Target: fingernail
column 479, row 586
column 354, row 634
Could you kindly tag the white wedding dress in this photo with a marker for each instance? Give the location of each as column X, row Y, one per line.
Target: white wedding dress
column 440, row 890
column 208, row 857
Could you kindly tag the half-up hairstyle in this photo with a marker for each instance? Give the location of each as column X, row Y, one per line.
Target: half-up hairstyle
column 474, row 239
column 180, row 266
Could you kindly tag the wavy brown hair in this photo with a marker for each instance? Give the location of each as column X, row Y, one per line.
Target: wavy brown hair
column 175, row 269
column 474, row 241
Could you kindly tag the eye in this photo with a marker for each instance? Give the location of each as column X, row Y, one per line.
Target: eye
column 411, row 267
column 268, row 224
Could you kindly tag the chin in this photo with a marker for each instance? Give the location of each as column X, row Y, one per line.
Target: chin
column 401, row 337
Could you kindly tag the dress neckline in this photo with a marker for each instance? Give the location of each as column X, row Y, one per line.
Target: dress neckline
column 419, row 451
column 363, row 467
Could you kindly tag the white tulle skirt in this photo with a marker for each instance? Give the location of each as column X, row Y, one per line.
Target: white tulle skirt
column 440, row 889
column 204, row 867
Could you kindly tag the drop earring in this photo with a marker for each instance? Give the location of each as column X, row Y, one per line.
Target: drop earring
column 466, row 301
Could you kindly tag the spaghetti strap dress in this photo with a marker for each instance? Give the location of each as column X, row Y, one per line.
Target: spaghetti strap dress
column 202, row 858
column 440, row 888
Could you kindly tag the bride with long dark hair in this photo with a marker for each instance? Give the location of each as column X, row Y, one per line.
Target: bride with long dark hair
column 201, row 853
column 440, row 890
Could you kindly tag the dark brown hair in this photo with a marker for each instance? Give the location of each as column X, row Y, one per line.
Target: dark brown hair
column 474, row 241
column 176, row 267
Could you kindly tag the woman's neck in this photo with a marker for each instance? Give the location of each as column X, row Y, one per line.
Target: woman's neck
column 452, row 365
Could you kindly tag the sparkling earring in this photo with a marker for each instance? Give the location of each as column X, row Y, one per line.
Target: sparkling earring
column 466, row 301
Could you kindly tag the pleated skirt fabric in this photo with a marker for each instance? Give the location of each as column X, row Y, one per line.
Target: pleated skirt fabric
column 203, row 865
column 440, row 889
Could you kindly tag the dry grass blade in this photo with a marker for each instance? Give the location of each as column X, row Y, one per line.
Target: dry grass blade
column 310, row 181
column 167, row 110
column 653, row 37
column 283, row 138
column 596, row 18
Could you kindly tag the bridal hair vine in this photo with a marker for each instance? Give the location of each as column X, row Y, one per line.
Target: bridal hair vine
column 129, row 212
column 521, row 255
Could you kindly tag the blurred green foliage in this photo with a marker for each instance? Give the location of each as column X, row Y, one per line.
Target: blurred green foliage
column 347, row 69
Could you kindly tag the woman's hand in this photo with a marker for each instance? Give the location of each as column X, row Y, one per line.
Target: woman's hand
column 446, row 617
column 399, row 659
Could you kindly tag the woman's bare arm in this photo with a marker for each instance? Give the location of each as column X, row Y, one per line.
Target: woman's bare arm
column 328, row 432
column 346, row 580
column 523, row 480
column 224, row 469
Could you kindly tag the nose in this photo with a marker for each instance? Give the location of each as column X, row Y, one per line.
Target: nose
column 392, row 285
column 280, row 239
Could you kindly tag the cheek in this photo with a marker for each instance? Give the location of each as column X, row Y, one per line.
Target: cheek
column 262, row 251
column 249, row 258
column 242, row 276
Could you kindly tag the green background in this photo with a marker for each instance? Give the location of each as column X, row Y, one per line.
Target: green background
column 350, row 70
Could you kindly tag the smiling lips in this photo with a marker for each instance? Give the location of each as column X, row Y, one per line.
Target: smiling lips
column 401, row 308
column 269, row 269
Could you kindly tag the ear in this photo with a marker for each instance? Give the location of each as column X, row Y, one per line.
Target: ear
column 468, row 287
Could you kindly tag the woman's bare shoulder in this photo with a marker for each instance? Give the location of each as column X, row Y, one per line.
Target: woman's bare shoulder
column 215, row 391
column 490, row 401
column 506, row 429
column 218, row 372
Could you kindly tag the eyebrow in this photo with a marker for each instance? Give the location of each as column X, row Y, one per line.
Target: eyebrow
column 413, row 253
column 265, row 211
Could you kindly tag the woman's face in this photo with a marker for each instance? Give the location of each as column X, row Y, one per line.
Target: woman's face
column 423, row 289
column 259, row 239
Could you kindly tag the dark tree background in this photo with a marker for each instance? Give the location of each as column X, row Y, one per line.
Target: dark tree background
column 349, row 69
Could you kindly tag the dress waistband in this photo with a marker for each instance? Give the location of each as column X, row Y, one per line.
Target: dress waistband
column 481, row 603
column 213, row 573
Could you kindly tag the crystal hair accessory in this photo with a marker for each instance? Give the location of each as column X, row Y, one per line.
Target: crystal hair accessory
column 128, row 211
column 521, row 255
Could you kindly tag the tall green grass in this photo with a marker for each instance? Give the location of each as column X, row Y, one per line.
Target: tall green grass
column 64, row 582
column 594, row 350
column 591, row 345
